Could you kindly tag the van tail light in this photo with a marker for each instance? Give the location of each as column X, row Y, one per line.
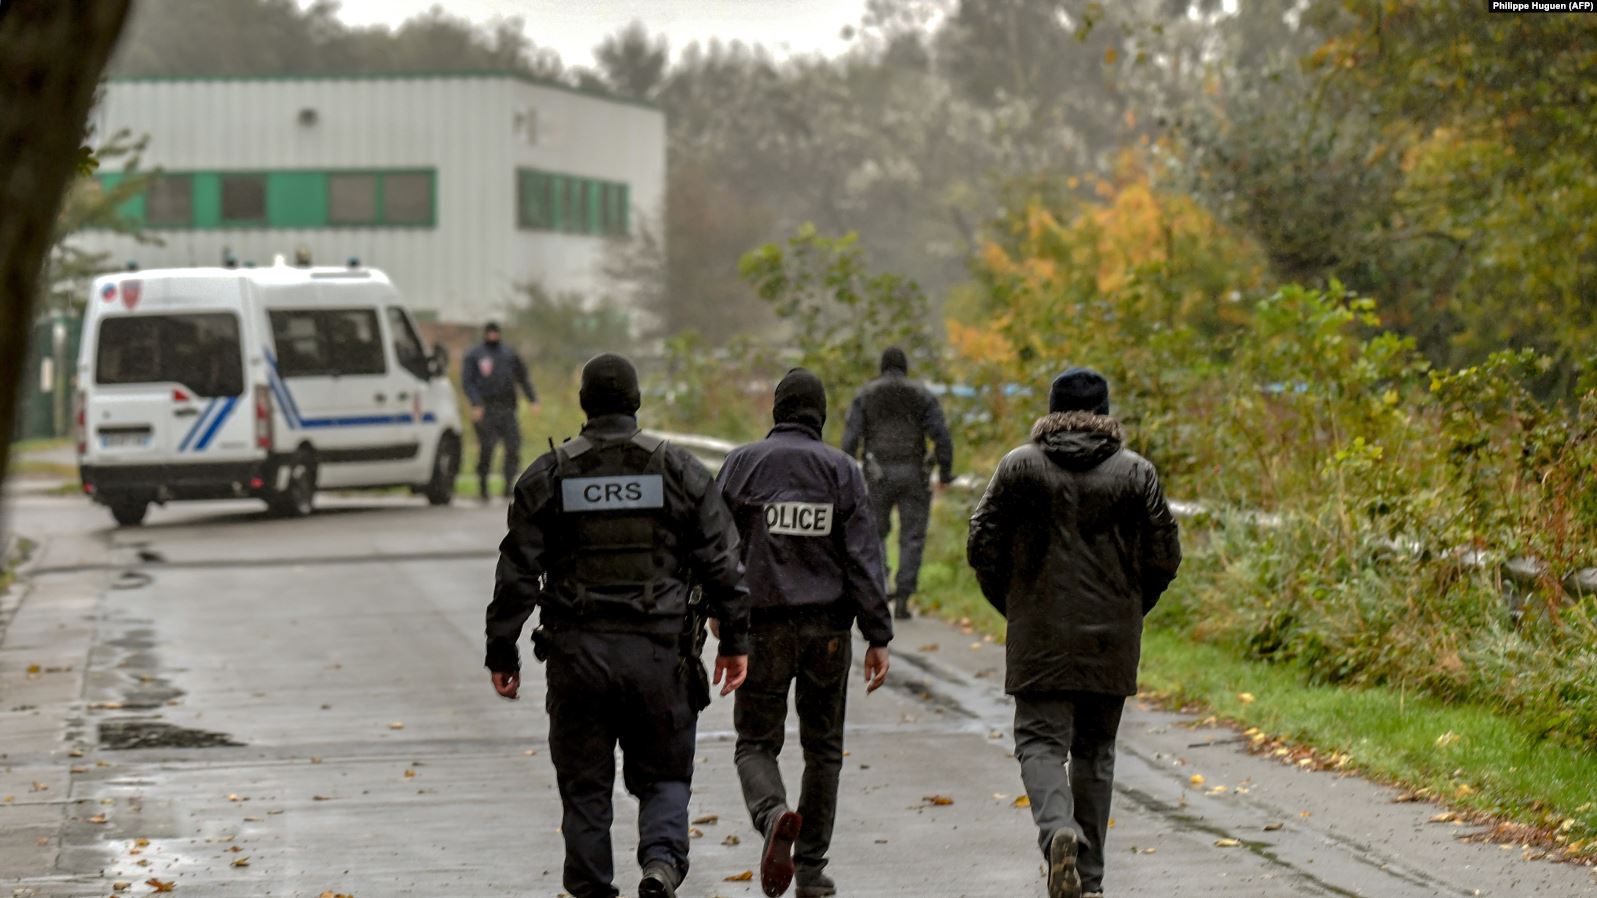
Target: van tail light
column 80, row 424
column 263, row 418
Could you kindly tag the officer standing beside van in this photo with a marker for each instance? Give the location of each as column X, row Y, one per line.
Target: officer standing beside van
column 814, row 567
column 490, row 375
column 609, row 535
column 892, row 419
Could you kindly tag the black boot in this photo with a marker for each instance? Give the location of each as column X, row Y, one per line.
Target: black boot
column 482, row 486
column 901, row 607
column 813, row 884
column 660, row 880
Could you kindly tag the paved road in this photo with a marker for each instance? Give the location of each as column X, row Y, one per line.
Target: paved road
column 292, row 708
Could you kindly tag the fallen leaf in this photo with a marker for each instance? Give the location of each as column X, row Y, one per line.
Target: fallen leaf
column 695, row 833
column 160, row 886
column 1021, row 801
column 397, row 725
column 929, row 647
column 81, row 768
column 241, row 862
column 321, row 798
column 334, row 895
column 1227, row 843
column 1274, row 827
column 1447, row 739
column 938, row 800
column 1444, row 817
column 98, row 819
column 235, row 797
column 731, row 840
column 1196, row 779
column 410, row 774
column 1246, row 698
column 235, row 849
column 121, row 885
column 142, row 843
column 707, row 820
column 315, row 759
column 745, row 876
column 34, row 669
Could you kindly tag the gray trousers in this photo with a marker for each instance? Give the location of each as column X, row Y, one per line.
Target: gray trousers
column 812, row 661
column 904, row 487
column 1065, row 743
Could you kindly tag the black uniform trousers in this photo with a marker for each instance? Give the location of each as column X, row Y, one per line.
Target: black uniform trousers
column 626, row 688
column 1065, row 743
column 905, row 487
column 499, row 425
column 812, row 657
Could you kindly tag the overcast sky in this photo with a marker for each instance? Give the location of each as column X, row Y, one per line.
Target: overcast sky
column 573, row 27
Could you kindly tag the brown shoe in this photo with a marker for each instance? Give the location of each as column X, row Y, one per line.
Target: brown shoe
column 1063, row 880
column 776, row 862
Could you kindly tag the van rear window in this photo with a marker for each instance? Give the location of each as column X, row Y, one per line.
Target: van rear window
column 199, row 351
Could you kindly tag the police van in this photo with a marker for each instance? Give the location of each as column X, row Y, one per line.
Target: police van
column 271, row 383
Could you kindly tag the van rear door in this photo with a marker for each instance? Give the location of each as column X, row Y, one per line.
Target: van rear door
column 165, row 385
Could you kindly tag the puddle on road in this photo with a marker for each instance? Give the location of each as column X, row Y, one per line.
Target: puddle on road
column 124, row 735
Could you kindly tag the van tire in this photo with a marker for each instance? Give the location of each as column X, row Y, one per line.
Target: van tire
column 440, row 489
column 298, row 500
column 129, row 513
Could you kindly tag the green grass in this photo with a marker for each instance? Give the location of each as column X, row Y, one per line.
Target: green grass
column 1468, row 757
column 40, row 445
column 32, row 467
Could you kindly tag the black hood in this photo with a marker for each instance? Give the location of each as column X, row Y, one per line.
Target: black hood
column 800, row 399
column 1078, row 441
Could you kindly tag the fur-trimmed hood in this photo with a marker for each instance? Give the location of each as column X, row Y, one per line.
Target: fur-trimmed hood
column 1078, row 441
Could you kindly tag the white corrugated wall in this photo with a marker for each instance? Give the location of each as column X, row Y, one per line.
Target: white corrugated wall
column 465, row 267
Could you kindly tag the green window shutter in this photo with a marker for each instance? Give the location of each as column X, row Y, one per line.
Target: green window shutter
column 296, row 199
column 557, row 203
column 595, row 207
column 626, row 209
column 207, row 200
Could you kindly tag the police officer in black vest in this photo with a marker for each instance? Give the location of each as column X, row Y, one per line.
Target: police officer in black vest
column 892, row 419
column 610, row 535
column 815, row 568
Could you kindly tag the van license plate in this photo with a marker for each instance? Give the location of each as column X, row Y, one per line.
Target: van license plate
column 124, row 440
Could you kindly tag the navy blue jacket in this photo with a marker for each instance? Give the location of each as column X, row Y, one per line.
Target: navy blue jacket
column 489, row 376
column 808, row 538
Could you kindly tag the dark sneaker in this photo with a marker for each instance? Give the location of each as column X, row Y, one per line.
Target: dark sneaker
column 901, row 608
column 1063, row 880
column 814, row 885
column 482, row 489
column 776, row 861
column 659, row 881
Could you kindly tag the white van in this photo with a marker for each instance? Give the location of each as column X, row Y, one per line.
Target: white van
column 210, row 383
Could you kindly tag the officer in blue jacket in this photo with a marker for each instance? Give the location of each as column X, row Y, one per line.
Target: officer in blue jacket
column 814, row 562
column 490, row 374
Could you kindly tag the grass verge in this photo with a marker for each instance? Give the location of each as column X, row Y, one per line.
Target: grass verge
column 1484, row 764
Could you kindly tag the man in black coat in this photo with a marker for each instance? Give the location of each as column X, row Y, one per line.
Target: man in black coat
column 1073, row 543
column 605, row 534
column 490, row 374
column 814, row 567
column 893, row 418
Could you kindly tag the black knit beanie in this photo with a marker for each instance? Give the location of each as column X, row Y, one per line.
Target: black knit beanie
column 609, row 386
column 895, row 360
column 800, row 399
column 1079, row 390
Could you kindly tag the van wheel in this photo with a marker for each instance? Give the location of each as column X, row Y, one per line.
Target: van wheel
column 440, row 490
column 129, row 513
column 298, row 500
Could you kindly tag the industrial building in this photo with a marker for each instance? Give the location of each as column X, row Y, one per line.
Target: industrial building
column 460, row 186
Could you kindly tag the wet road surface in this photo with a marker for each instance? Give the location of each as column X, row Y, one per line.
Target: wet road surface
column 245, row 707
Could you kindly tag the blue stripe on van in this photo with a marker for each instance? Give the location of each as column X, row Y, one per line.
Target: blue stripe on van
column 285, row 397
column 195, row 427
column 217, row 422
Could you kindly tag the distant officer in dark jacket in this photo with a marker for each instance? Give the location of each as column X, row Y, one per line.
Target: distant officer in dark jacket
column 814, row 567
column 893, row 418
column 606, row 534
column 489, row 376
column 1073, row 543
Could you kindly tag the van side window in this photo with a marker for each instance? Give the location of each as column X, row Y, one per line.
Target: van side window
column 300, row 352
column 407, row 346
column 328, row 342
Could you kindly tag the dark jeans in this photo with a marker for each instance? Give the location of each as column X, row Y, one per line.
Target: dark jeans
column 609, row 688
column 815, row 655
column 1074, row 730
column 499, row 425
column 904, row 487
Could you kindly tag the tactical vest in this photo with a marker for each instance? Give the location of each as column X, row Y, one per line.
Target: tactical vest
column 617, row 549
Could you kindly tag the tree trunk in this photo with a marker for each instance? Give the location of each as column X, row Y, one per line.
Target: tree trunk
column 52, row 53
